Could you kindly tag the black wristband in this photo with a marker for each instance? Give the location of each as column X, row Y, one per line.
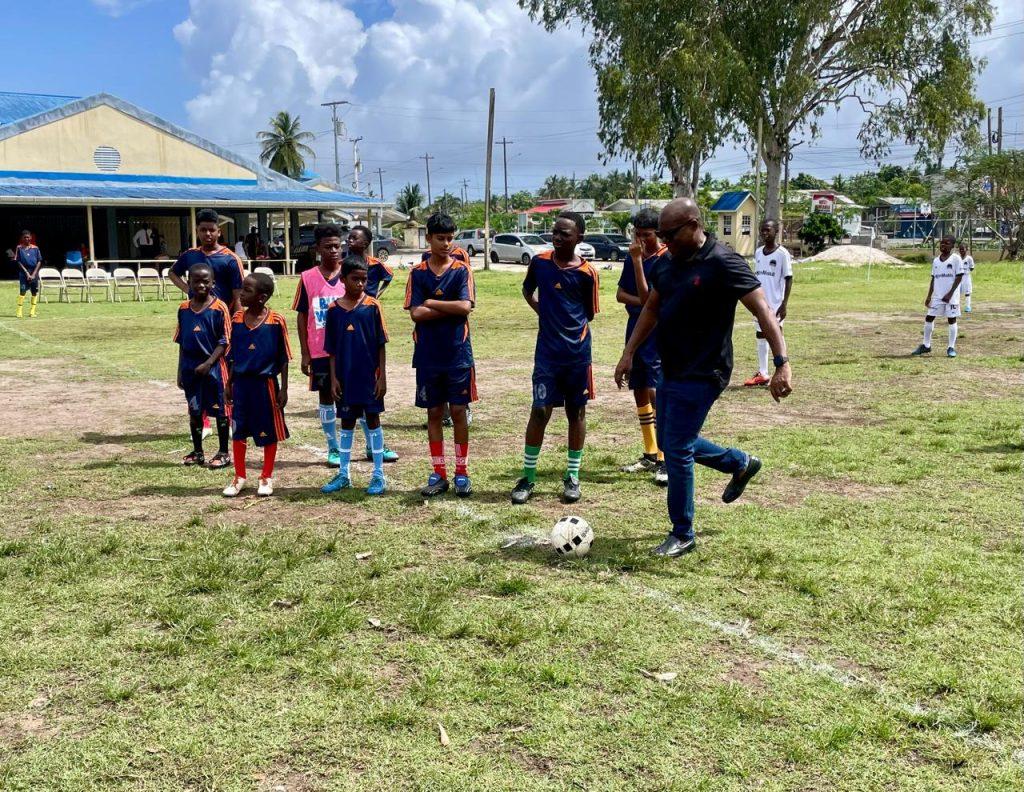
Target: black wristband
column 780, row 360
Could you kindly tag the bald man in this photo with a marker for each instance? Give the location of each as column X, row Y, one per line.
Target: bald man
column 692, row 306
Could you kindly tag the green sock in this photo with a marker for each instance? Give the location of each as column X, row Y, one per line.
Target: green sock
column 574, row 462
column 530, row 455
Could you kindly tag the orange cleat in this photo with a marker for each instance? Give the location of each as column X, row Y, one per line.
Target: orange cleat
column 756, row 381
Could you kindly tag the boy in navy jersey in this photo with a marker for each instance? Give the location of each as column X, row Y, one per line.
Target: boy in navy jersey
column 355, row 339
column 202, row 334
column 563, row 290
column 28, row 259
column 439, row 296
column 226, row 267
column 259, row 354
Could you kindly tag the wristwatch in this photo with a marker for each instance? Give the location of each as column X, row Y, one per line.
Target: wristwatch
column 780, row 360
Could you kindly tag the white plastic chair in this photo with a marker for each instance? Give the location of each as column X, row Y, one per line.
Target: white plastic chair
column 266, row 271
column 165, row 276
column 245, row 272
column 149, row 277
column 98, row 278
column 125, row 278
column 74, row 279
column 48, row 276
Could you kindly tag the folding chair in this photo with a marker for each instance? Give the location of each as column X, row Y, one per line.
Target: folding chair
column 165, row 276
column 74, row 279
column 98, row 278
column 48, row 276
column 125, row 278
column 266, row 271
column 150, row 277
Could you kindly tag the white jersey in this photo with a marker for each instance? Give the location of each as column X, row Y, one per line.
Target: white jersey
column 772, row 269
column 968, row 263
column 943, row 275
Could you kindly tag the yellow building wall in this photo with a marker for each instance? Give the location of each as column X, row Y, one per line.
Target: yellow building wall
column 744, row 244
column 67, row 146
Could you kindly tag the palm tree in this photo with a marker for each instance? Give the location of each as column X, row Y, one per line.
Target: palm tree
column 409, row 200
column 284, row 145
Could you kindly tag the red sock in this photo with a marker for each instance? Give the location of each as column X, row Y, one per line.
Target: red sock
column 206, row 421
column 461, row 452
column 238, row 452
column 437, row 458
column 269, row 455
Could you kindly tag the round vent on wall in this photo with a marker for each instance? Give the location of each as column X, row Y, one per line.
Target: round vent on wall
column 107, row 158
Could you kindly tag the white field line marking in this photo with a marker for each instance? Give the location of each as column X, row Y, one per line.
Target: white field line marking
column 95, row 359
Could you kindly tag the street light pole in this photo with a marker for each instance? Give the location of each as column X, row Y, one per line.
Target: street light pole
column 334, row 130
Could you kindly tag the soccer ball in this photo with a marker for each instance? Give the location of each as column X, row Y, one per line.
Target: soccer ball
column 572, row 537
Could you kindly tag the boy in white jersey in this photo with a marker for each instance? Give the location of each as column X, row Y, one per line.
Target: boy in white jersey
column 774, row 268
column 966, row 283
column 943, row 296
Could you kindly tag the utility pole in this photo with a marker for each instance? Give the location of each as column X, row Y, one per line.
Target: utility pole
column 338, row 128
column 988, row 137
column 504, row 159
column 465, row 191
column 427, row 158
column 487, row 182
column 999, row 130
column 757, row 181
column 356, row 164
column 380, row 178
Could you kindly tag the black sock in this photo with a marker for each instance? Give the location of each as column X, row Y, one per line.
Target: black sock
column 195, row 428
column 222, row 434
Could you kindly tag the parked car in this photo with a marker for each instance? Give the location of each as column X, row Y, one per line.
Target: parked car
column 384, row 246
column 471, row 240
column 517, row 247
column 583, row 249
column 613, row 247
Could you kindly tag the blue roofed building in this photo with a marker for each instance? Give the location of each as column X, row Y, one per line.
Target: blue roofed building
column 735, row 211
column 89, row 172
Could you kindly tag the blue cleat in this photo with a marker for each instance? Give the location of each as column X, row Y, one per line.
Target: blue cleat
column 921, row 350
column 333, row 458
column 389, row 455
column 463, row 486
column 378, row 485
column 950, row 352
column 436, row 485
column 336, row 484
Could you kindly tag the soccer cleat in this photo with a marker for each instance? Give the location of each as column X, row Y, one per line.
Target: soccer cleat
column 661, row 475
column 469, row 415
column 967, row 309
column 21, row 313
column 921, row 350
column 378, row 486
column 571, row 489
column 756, row 381
column 673, row 547
column 642, row 465
column 237, row 485
column 333, row 458
column 266, row 487
column 195, row 458
column 739, row 481
column 435, row 486
column 336, row 484
column 389, row 455
column 950, row 352
column 32, row 312
column 446, row 421
column 220, row 460
column 522, row 491
column 463, row 486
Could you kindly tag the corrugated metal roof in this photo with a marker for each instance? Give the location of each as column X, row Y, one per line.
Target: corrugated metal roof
column 730, row 201
column 16, row 106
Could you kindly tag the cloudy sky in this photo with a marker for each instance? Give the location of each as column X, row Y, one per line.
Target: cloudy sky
column 416, row 73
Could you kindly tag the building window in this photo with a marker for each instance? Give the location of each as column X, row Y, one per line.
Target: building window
column 727, row 225
column 107, row 159
column 746, row 225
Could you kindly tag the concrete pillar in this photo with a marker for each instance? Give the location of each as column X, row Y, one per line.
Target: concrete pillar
column 261, row 224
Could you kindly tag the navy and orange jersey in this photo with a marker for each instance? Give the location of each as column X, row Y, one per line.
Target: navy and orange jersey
column 455, row 252
column 568, row 300
column 378, row 276
column 354, row 338
column 198, row 333
column 260, row 351
column 28, row 256
column 226, row 266
column 442, row 343
column 627, row 280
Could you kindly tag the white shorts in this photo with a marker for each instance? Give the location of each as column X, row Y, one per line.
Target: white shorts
column 950, row 310
column 757, row 324
column 965, row 284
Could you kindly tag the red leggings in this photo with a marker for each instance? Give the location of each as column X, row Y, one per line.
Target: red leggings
column 238, row 449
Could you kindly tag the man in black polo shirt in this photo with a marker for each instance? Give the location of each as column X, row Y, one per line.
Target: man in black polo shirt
column 693, row 294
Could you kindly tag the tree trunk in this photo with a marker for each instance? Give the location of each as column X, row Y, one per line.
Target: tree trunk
column 695, row 176
column 773, row 154
column 681, row 173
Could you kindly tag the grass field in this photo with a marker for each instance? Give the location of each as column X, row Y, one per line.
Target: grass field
column 853, row 623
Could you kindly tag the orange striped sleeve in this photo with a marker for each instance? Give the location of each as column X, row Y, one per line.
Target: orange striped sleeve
column 298, row 293
column 408, row 289
column 276, row 318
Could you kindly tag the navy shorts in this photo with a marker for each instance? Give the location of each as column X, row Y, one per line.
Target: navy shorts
column 646, row 373
column 555, row 386
column 435, row 387
column 353, row 411
column 320, row 374
column 255, row 412
column 205, row 395
column 24, row 284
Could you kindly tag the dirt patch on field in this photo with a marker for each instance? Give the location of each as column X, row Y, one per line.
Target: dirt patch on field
column 746, row 672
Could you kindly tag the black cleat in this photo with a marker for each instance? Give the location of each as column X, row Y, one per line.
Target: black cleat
column 571, row 489
column 463, row 486
column 435, row 486
column 738, row 483
column 522, row 491
column 673, row 547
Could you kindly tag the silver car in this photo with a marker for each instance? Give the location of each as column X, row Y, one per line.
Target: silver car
column 517, row 247
column 583, row 249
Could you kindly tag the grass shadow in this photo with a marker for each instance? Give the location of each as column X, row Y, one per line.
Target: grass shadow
column 97, row 438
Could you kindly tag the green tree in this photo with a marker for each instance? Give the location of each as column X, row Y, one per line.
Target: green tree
column 409, row 200
column 522, row 200
column 284, row 145
column 656, row 189
column 991, row 186
column 620, row 221
column 558, row 187
column 804, row 181
column 819, row 228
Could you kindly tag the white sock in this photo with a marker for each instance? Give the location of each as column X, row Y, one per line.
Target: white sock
column 967, row 301
column 952, row 335
column 762, row 357
column 928, row 328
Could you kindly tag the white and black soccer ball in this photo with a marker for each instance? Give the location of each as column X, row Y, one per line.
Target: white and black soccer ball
column 572, row 537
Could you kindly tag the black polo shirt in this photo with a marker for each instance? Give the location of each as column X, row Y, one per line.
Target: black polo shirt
column 697, row 306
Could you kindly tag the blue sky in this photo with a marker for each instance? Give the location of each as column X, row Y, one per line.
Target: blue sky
column 416, row 71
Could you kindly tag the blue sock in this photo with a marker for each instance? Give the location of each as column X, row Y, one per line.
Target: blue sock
column 377, row 449
column 329, row 423
column 345, row 451
column 366, row 433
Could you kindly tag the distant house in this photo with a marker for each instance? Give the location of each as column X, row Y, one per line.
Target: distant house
column 735, row 212
column 629, row 205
